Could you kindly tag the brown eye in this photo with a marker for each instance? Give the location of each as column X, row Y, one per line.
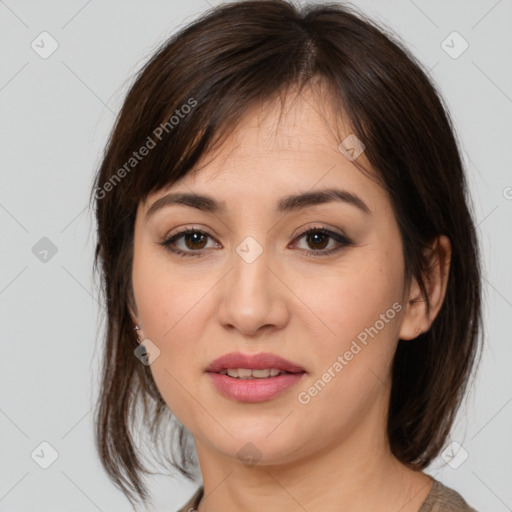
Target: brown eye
column 317, row 240
column 195, row 242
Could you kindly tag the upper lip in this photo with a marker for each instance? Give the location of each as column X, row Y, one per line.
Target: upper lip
column 253, row 361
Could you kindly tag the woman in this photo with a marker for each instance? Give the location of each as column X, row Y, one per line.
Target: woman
column 283, row 220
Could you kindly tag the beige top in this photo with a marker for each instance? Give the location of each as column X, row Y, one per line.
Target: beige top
column 440, row 499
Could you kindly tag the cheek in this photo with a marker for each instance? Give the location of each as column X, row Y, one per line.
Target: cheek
column 173, row 319
column 173, row 316
column 352, row 298
column 167, row 295
column 172, row 304
column 358, row 311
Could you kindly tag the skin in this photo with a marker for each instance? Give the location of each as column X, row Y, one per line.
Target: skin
column 306, row 309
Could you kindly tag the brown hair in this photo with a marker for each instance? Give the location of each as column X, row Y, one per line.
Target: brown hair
column 239, row 55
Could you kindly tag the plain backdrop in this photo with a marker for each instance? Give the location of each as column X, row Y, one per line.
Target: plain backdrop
column 56, row 112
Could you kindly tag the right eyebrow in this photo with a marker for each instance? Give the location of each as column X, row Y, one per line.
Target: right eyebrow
column 199, row 201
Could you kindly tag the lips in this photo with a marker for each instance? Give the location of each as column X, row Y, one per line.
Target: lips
column 260, row 361
column 258, row 389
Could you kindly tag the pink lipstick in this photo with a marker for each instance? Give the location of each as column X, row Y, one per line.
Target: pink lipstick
column 253, row 377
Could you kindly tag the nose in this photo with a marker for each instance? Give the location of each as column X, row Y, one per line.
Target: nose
column 253, row 296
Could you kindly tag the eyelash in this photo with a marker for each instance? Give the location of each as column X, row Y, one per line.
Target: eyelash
column 340, row 239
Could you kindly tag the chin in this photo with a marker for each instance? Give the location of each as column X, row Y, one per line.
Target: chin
column 255, row 446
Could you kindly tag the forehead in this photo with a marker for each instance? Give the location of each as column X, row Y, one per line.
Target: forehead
column 300, row 121
column 288, row 144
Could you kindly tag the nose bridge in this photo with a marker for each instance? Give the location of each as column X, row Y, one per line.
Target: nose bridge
column 252, row 296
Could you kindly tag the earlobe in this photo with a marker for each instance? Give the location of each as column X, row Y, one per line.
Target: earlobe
column 415, row 319
column 137, row 324
column 139, row 333
column 418, row 317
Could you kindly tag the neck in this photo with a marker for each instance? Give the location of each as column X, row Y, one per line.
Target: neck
column 359, row 473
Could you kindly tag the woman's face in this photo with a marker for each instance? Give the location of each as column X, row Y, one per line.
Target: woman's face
column 251, row 283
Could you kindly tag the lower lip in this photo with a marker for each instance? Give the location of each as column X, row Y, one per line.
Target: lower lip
column 254, row 390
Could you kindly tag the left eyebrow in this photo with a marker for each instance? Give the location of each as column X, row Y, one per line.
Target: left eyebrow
column 327, row 195
column 286, row 204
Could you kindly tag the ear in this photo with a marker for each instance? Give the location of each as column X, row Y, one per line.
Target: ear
column 416, row 318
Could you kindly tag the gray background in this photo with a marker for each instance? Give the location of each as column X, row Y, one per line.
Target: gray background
column 55, row 116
